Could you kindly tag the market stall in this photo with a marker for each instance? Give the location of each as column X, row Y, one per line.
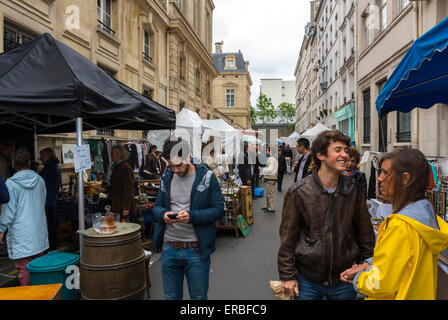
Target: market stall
column 47, row 87
column 420, row 81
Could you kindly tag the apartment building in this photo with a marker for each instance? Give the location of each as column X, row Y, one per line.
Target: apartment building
column 278, row 90
column 325, row 70
column 306, row 79
column 231, row 89
column 385, row 30
column 327, row 22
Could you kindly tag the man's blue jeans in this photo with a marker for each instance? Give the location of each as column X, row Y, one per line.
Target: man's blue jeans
column 177, row 263
column 313, row 291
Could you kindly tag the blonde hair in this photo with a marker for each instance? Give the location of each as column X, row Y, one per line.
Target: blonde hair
column 122, row 153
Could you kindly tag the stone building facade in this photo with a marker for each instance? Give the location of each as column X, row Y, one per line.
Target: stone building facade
column 385, row 30
column 231, row 89
column 160, row 48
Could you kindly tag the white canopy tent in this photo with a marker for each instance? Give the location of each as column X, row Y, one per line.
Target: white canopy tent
column 191, row 127
column 291, row 139
column 312, row 133
column 188, row 126
column 229, row 136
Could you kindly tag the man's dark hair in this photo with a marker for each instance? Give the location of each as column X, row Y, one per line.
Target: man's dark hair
column 21, row 159
column 323, row 141
column 34, row 166
column 212, row 151
column 152, row 147
column 304, row 142
column 49, row 153
column 176, row 148
column 354, row 153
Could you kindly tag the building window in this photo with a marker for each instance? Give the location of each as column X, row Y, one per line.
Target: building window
column 230, row 63
column 181, row 105
column 403, row 4
column 367, row 35
column 230, row 97
column 208, row 31
column 196, row 16
column 180, row 4
column 344, row 127
column 147, row 45
column 208, row 89
column 105, row 15
column 382, row 5
column 13, row 37
column 182, row 67
column 366, row 116
column 403, row 126
column 148, row 93
column 198, row 80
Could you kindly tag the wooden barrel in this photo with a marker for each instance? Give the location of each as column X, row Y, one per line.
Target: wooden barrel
column 113, row 266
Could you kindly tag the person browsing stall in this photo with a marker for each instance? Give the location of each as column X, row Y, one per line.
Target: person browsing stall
column 121, row 188
column 52, row 177
column 301, row 167
column 352, row 172
column 24, row 216
column 269, row 174
column 405, row 259
column 325, row 226
column 187, row 207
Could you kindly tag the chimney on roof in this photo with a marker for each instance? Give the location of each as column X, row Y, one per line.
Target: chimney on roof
column 218, row 46
column 246, row 63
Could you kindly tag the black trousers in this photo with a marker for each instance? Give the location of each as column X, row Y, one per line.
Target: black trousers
column 52, row 227
column 280, row 180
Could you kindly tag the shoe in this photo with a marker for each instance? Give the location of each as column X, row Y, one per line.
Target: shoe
column 264, row 208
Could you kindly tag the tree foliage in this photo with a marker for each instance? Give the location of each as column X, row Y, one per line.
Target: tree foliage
column 266, row 109
column 253, row 116
column 287, row 113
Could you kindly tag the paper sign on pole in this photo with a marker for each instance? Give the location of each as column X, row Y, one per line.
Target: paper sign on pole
column 82, row 158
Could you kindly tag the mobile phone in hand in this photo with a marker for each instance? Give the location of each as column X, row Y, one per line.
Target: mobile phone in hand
column 172, row 215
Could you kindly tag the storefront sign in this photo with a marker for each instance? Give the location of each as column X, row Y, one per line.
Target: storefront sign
column 82, row 158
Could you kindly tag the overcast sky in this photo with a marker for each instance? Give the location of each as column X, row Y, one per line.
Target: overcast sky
column 268, row 33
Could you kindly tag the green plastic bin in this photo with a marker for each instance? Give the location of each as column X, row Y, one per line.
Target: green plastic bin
column 51, row 268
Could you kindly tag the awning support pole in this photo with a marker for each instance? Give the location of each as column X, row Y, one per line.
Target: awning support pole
column 81, row 225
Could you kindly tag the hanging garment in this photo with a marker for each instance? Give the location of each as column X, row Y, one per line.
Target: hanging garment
column 139, row 157
column 133, row 158
column 98, row 159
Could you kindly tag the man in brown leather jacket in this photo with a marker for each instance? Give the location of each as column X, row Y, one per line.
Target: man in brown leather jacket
column 325, row 226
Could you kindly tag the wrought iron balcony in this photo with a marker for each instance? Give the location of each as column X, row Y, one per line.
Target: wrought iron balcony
column 105, row 27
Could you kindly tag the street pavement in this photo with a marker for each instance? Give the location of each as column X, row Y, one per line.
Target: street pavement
column 241, row 266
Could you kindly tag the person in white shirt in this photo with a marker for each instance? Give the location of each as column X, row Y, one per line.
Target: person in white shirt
column 270, row 177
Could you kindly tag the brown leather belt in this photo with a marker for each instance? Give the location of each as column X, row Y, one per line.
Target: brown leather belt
column 184, row 245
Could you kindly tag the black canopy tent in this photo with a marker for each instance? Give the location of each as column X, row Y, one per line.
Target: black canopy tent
column 47, row 87
column 48, row 84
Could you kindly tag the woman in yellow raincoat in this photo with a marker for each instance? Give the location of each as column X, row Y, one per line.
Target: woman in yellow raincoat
column 404, row 263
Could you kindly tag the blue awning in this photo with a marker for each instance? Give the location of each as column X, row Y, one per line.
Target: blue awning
column 421, row 78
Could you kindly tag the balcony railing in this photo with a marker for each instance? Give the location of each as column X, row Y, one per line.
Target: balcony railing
column 105, row 27
column 146, row 57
